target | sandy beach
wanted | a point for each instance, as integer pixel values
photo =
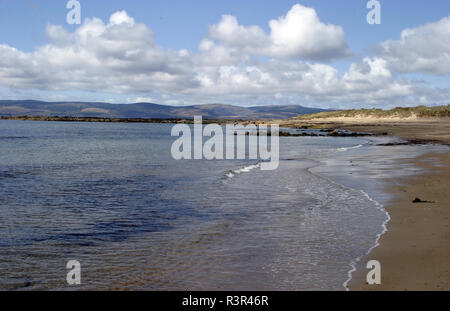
(415, 130)
(415, 251)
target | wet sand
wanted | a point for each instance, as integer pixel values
(427, 130)
(436, 131)
(415, 251)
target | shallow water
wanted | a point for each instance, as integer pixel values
(111, 197)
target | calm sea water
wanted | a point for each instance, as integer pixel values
(111, 197)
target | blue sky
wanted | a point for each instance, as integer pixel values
(182, 25)
(23, 21)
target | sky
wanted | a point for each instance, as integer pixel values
(312, 53)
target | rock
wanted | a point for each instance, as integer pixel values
(417, 200)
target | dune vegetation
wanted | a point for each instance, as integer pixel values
(399, 112)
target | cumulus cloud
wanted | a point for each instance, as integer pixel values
(298, 34)
(422, 49)
(229, 32)
(369, 81)
(121, 57)
(117, 57)
(301, 34)
(121, 17)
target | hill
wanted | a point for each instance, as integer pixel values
(148, 110)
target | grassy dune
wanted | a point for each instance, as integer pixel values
(400, 112)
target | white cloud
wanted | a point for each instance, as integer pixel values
(229, 32)
(117, 57)
(299, 34)
(422, 49)
(206, 45)
(121, 17)
(58, 35)
(369, 81)
(121, 57)
(141, 99)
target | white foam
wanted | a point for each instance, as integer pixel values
(349, 148)
(354, 262)
(379, 206)
(245, 169)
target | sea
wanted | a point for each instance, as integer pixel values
(111, 196)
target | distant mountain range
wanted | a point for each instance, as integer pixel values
(148, 110)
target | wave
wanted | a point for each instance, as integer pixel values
(379, 206)
(349, 148)
(246, 169)
(354, 262)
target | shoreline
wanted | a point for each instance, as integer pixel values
(109, 120)
(414, 252)
(413, 249)
(412, 131)
(354, 264)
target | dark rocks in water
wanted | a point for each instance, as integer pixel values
(329, 133)
(334, 133)
(255, 134)
(411, 142)
(95, 119)
(322, 133)
(417, 200)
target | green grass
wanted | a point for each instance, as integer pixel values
(399, 112)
